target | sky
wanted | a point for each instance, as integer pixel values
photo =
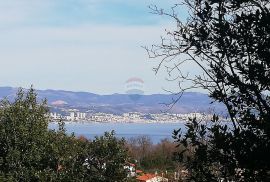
(81, 45)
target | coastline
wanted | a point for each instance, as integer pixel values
(119, 122)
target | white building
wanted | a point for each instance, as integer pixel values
(72, 116)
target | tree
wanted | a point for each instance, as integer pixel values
(23, 136)
(230, 42)
(106, 158)
(140, 148)
(31, 152)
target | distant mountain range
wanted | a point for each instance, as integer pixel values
(120, 103)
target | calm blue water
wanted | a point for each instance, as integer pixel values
(155, 131)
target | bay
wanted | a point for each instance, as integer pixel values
(156, 131)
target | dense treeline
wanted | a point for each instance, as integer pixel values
(30, 152)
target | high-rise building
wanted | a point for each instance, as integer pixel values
(72, 116)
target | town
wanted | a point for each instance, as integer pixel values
(75, 115)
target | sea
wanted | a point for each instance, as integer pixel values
(155, 131)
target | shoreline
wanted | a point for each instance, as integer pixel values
(131, 122)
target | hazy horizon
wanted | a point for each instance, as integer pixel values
(48, 89)
(91, 46)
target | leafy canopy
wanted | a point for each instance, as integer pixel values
(31, 152)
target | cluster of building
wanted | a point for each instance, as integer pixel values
(142, 176)
(130, 117)
(72, 116)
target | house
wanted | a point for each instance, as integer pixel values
(151, 178)
(131, 169)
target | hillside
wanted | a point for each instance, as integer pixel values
(119, 103)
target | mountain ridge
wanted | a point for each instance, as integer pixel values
(119, 103)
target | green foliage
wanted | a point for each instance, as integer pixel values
(23, 137)
(30, 152)
(106, 158)
(230, 42)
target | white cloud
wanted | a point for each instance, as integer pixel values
(90, 57)
(97, 59)
(18, 12)
(82, 35)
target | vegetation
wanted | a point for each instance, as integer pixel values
(229, 41)
(30, 152)
(153, 157)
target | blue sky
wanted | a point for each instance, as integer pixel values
(81, 45)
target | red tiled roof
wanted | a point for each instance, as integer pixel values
(146, 177)
(139, 171)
